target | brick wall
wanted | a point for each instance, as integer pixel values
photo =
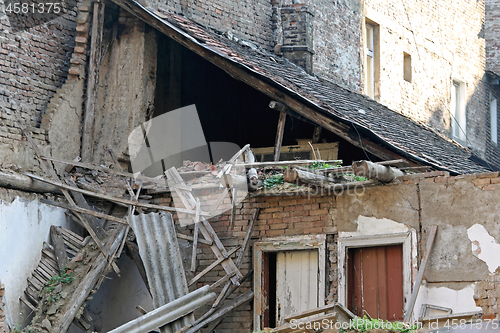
(445, 42)
(245, 19)
(3, 327)
(285, 215)
(492, 30)
(487, 296)
(33, 64)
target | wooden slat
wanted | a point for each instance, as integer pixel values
(108, 170)
(189, 238)
(212, 266)
(420, 274)
(85, 211)
(78, 239)
(309, 313)
(48, 269)
(59, 247)
(115, 199)
(27, 303)
(279, 136)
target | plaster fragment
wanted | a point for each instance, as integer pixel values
(484, 246)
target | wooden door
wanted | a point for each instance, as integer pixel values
(296, 282)
(375, 281)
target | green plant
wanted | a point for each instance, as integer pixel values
(65, 276)
(322, 165)
(273, 181)
(356, 178)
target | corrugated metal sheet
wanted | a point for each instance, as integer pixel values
(159, 250)
(168, 312)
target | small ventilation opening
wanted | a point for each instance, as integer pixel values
(407, 67)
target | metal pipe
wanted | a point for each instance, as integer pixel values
(168, 312)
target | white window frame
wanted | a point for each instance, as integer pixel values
(292, 243)
(493, 119)
(458, 110)
(407, 239)
(369, 59)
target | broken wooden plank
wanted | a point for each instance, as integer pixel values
(85, 211)
(94, 223)
(420, 275)
(27, 303)
(242, 299)
(279, 136)
(59, 247)
(222, 280)
(228, 265)
(115, 199)
(85, 287)
(91, 166)
(195, 245)
(212, 266)
(241, 254)
(49, 169)
(246, 240)
(189, 238)
(92, 81)
(285, 163)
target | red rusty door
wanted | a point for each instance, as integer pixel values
(375, 281)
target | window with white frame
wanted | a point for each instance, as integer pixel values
(369, 60)
(493, 119)
(459, 121)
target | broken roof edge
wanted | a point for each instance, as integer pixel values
(330, 118)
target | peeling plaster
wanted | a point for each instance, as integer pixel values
(484, 246)
(374, 226)
(460, 301)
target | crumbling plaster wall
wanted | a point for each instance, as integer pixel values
(126, 89)
(25, 225)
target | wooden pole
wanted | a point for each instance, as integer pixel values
(420, 274)
(93, 78)
(279, 136)
(376, 171)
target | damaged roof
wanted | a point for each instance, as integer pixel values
(355, 117)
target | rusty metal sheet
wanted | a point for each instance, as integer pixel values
(160, 253)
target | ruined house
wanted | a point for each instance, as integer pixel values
(368, 80)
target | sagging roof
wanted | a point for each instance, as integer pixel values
(356, 118)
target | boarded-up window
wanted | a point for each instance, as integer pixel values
(375, 281)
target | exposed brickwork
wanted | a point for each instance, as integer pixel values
(291, 214)
(491, 32)
(77, 63)
(245, 19)
(33, 64)
(487, 296)
(3, 327)
(297, 23)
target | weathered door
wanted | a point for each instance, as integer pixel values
(296, 282)
(375, 281)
